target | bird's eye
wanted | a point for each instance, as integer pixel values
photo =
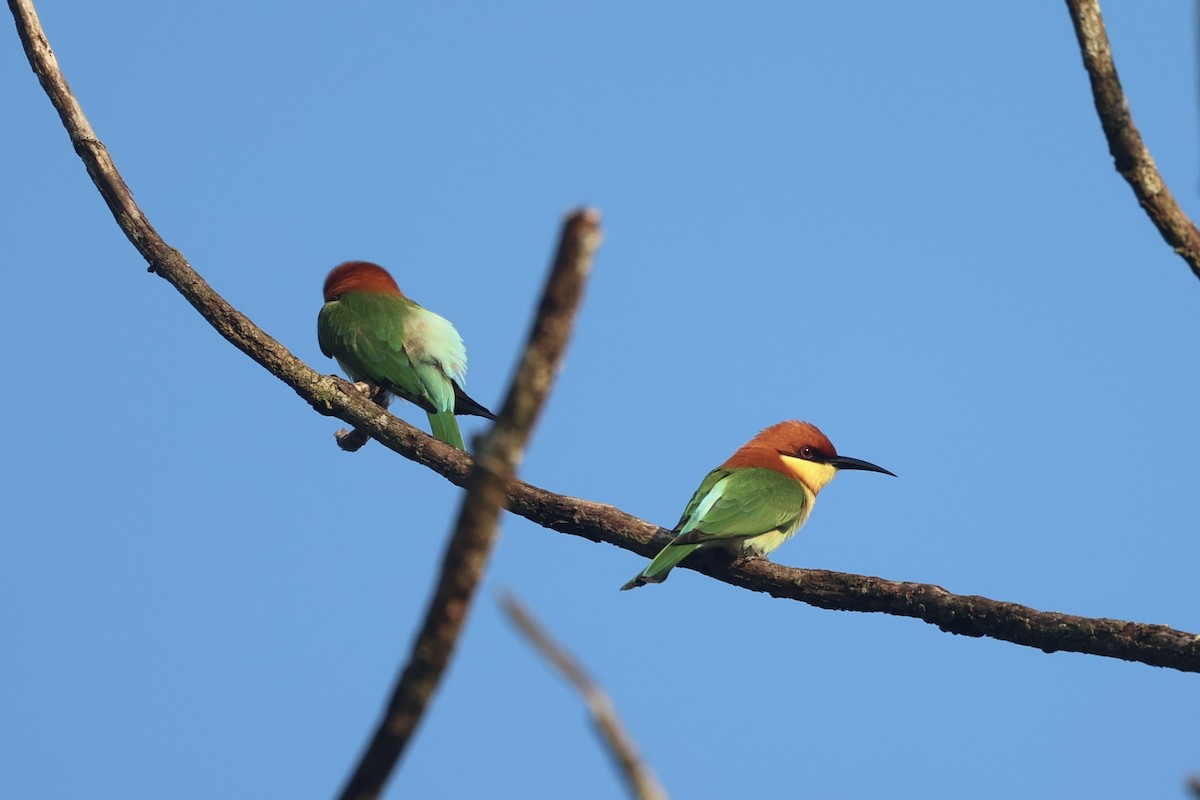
(807, 452)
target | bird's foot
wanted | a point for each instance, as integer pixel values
(748, 557)
(351, 440)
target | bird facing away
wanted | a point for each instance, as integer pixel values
(382, 338)
(756, 500)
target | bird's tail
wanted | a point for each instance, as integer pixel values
(445, 427)
(465, 404)
(656, 571)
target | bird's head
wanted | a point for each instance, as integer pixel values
(799, 450)
(359, 276)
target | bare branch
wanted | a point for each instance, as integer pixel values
(1157, 645)
(1132, 158)
(637, 774)
(475, 532)
(353, 440)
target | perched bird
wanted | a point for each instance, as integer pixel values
(382, 338)
(756, 500)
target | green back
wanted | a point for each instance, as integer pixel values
(365, 332)
(731, 504)
(743, 502)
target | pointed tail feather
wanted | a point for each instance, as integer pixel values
(445, 427)
(656, 571)
(641, 580)
(464, 404)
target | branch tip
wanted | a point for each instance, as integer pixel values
(638, 776)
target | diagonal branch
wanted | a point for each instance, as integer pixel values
(1157, 645)
(637, 774)
(354, 440)
(1133, 160)
(475, 532)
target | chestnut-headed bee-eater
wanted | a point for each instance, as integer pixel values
(756, 500)
(382, 338)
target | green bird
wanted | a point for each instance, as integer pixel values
(382, 338)
(757, 499)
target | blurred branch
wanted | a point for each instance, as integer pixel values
(475, 531)
(1193, 785)
(638, 776)
(1157, 645)
(1133, 160)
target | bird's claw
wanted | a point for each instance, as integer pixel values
(350, 440)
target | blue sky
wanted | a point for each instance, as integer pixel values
(898, 221)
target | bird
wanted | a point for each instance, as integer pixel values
(380, 337)
(757, 499)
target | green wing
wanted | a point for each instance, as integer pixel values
(392, 342)
(729, 505)
(751, 501)
(366, 334)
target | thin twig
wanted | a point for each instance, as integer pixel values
(1156, 645)
(637, 774)
(1133, 160)
(475, 531)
